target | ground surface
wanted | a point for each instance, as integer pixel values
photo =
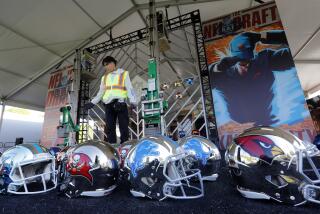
(220, 197)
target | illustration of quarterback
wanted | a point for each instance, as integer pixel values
(245, 79)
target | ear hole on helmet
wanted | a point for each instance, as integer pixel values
(276, 180)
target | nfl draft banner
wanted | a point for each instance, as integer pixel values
(253, 77)
(57, 97)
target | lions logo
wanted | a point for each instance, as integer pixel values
(143, 150)
(260, 147)
(81, 165)
(199, 151)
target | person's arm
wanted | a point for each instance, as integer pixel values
(226, 65)
(100, 93)
(274, 37)
(131, 93)
(281, 59)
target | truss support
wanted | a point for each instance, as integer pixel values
(180, 22)
(83, 97)
(207, 100)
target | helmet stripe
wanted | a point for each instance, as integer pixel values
(38, 148)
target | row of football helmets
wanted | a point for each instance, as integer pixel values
(264, 162)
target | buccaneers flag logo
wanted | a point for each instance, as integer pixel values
(259, 146)
(80, 164)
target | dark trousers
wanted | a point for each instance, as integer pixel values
(113, 112)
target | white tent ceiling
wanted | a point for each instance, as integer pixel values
(35, 35)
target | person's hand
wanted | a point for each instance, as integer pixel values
(227, 62)
(88, 105)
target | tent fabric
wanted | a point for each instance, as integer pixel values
(36, 34)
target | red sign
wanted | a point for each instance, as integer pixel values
(57, 96)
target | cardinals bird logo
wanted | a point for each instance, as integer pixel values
(260, 147)
(80, 164)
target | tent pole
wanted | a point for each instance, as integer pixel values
(2, 114)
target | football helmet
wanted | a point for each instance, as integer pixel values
(204, 155)
(156, 170)
(91, 169)
(27, 169)
(269, 163)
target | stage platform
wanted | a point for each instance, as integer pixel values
(220, 197)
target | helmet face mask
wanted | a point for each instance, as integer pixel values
(27, 169)
(203, 155)
(157, 170)
(179, 177)
(269, 163)
(308, 164)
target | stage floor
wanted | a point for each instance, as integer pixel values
(220, 197)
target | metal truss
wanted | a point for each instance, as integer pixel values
(141, 34)
(205, 79)
(181, 22)
(118, 42)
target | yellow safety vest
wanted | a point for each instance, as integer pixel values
(115, 85)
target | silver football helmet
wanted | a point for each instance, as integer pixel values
(204, 155)
(91, 169)
(156, 170)
(269, 163)
(27, 169)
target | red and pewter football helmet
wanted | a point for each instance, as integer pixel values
(92, 169)
(269, 163)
